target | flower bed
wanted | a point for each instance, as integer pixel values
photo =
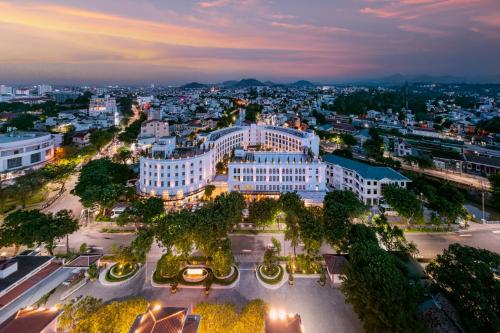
(271, 279)
(210, 276)
(116, 274)
(304, 265)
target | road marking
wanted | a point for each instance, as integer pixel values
(496, 231)
(465, 235)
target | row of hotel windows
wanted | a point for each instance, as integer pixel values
(284, 171)
(166, 183)
(183, 166)
(168, 175)
(275, 188)
(271, 178)
(17, 162)
(24, 150)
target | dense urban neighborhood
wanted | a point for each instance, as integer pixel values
(246, 206)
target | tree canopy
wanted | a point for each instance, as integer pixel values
(224, 318)
(339, 208)
(91, 315)
(33, 227)
(403, 201)
(469, 278)
(101, 182)
(379, 291)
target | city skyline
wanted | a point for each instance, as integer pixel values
(68, 42)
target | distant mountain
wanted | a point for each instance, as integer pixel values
(302, 84)
(247, 83)
(194, 85)
(229, 83)
(400, 79)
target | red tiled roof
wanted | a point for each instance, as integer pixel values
(30, 282)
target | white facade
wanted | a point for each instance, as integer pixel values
(178, 172)
(104, 107)
(364, 180)
(44, 89)
(152, 131)
(272, 172)
(19, 150)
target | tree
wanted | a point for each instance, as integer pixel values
(27, 186)
(168, 265)
(376, 288)
(101, 182)
(122, 155)
(93, 272)
(393, 237)
(76, 311)
(220, 168)
(222, 260)
(495, 188)
(61, 224)
(112, 317)
(312, 230)
(360, 233)
(141, 245)
(403, 201)
(33, 227)
(468, 277)
(209, 190)
(100, 138)
(293, 207)
(23, 121)
(263, 212)
(339, 208)
(374, 148)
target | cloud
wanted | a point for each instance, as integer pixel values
(283, 17)
(492, 20)
(423, 30)
(309, 27)
(213, 4)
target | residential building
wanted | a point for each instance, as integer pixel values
(20, 150)
(366, 181)
(81, 139)
(104, 107)
(44, 89)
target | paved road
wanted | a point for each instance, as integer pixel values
(92, 237)
(67, 200)
(483, 236)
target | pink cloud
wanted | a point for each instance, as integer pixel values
(283, 17)
(213, 4)
(423, 30)
(309, 27)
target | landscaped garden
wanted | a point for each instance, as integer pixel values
(125, 267)
(174, 271)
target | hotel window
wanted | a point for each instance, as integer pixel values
(14, 162)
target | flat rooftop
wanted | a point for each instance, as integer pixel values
(20, 136)
(291, 131)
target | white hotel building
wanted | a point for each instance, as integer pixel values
(267, 160)
(20, 150)
(365, 180)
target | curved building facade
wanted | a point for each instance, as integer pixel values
(20, 150)
(173, 173)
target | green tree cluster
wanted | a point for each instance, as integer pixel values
(339, 208)
(225, 318)
(91, 315)
(469, 278)
(132, 131)
(33, 227)
(101, 182)
(404, 201)
(379, 291)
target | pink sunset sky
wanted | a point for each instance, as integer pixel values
(174, 41)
